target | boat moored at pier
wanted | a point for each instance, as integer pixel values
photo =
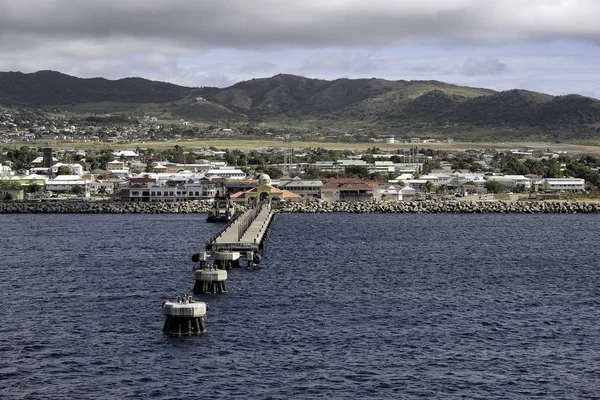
(223, 209)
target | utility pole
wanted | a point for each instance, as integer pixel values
(287, 153)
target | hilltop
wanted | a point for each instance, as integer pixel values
(343, 105)
(45, 88)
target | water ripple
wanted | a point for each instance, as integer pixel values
(346, 306)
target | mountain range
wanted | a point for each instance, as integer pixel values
(341, 105)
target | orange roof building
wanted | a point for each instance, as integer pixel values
(265, 191)
(350, 190)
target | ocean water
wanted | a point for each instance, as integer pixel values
(344, 306)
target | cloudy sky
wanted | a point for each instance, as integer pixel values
(550, 46)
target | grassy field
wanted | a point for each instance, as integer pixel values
(258, 144)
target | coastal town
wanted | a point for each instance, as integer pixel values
(295, 175)
(56, 127)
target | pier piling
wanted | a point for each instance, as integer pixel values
(210, 281)
(184, 317)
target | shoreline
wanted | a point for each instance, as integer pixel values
(390, 207)
(440, 207)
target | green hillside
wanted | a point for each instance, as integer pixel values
(341, 105)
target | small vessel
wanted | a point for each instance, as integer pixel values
(222, 210)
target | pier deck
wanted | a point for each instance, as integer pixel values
(246, 233)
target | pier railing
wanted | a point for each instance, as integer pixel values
(242, 220)
(249, 218)
(229, 223)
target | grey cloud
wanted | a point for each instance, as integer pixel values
(341, 62)
(218, 42)
(255, 67)
(198, 79)
(425, 68)
(260, 24)
(483, 67)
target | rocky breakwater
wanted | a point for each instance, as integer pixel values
(96, 207)
(456, 207)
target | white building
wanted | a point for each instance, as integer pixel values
(196, 167)
(225, 173)
(469, 177)
(407, 193)
(126, 154)
(408, 168)
(308, 189)
(383, 167)
(437, 179)
(104, 187)
(115, 165)
(65, 183)
(511, 181)
(326, 166)
(5, 170)
(40, 160)
(76, 169)
(562, 184)
(168, 193)
(391, 193)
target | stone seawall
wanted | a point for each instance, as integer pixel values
(192, 207)
(457, 207)
(66, 207)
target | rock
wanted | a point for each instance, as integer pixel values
(433, 207)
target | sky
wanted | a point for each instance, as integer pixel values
(550, 46)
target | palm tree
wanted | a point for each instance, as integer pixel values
(441, 189)
(78, 189)
(34, 188)
(427, 187)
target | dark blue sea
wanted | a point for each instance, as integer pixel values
(344, 307)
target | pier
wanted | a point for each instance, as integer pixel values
(246, 233)
(243, 238)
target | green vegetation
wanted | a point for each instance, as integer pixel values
(64, 170)
(34, 188)
(22, 157)
(273, 172)
(579, 170)
(510, 165)
(9, 185)
(312, 108)
(54, 88)
(493, 186)
(78, 189)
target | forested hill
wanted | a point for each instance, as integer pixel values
(53, 88)
(367, 103)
